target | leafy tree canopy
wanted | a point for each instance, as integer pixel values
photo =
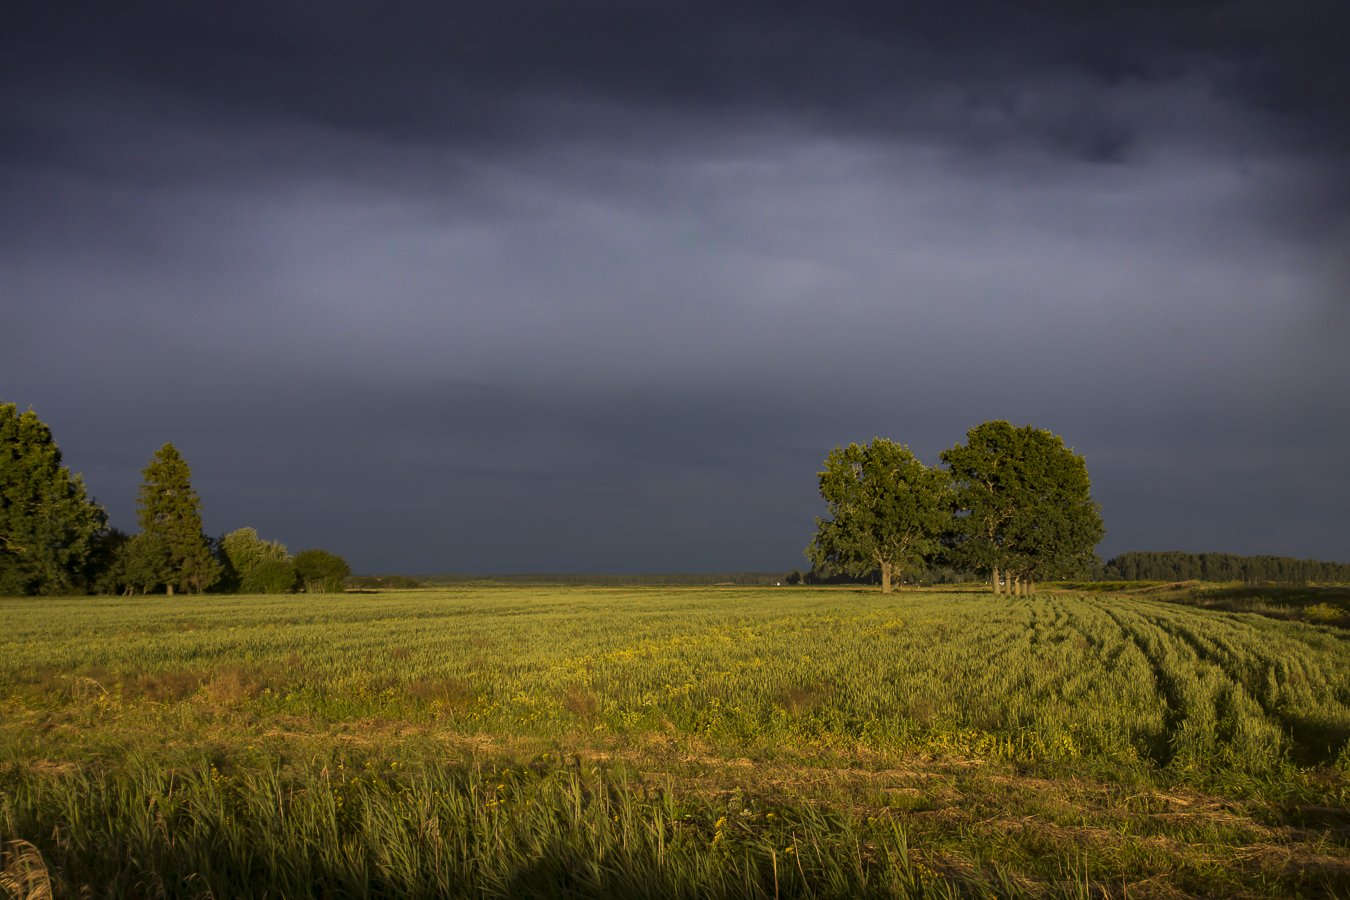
(887, 511)
(984, 478)
(1057, 525)
(271, 576)
(257, 566)
(134, 566)
(49, 527)
(1022, 504)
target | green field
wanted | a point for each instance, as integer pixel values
(730, 742)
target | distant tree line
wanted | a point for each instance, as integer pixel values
(693, 579)
(55, 539)
(1178, 566)
(382, 582)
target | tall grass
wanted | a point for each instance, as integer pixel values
(193, 829)
(214, 745)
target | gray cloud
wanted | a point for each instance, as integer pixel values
(596, 287)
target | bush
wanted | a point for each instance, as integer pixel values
(271, 576)
(321, 572)
(245, 553)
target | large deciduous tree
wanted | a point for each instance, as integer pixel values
(1022, 505)
(886, 511)
(49, 527)
(169, 512)
(1058, 525)
(984, 477)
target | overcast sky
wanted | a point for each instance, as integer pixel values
(596, 286)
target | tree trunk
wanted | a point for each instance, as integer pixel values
(995, 579)
(1031, 587)
(170, 587)
(885, 578)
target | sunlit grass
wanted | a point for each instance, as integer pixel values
(733, 696)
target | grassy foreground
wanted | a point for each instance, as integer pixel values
(710, 742)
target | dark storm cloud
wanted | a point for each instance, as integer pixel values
(596, 285)
(460, 73)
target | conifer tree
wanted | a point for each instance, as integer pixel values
(48, 525)
(169, 514)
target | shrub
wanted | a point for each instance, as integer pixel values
(245, 554)
(271, 576)
(321, 572)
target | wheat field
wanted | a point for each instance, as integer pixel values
(1143, 746)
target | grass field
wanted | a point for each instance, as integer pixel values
(724, 742)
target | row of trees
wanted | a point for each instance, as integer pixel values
(1010, 503)
(255, 566)
(55, 539)
(681, 578)
(1178, 566)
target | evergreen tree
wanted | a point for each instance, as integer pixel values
(172, 544)
(887, 511)
(49, 527)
